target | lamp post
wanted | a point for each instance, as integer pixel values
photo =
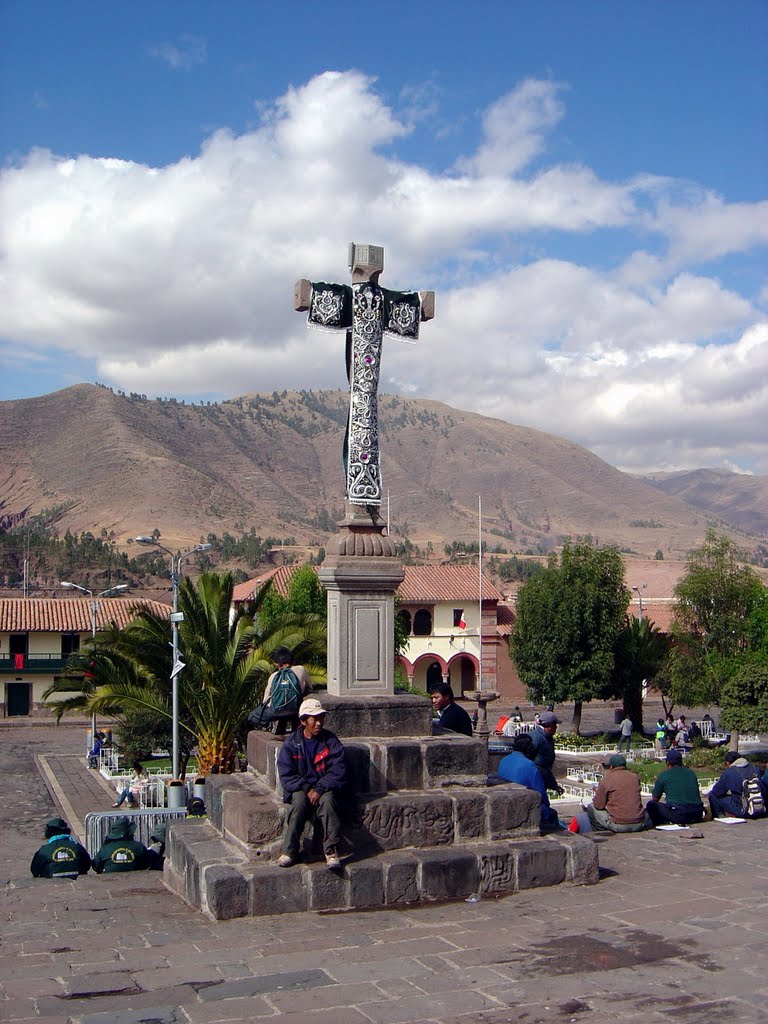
(640, 600)
(178, 664)
(66, 585)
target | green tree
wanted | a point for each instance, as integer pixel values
(640, 652)
(719, 627)
(567, 623)
(228, 660)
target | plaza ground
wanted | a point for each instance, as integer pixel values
(677, 926)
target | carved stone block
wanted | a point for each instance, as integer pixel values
(412, 819)
(469, 814)
(366, 884)
(328, 890)
(498, 869)
(512, 810)
(277, 890)
(454, 759)
(225, 892)
(582, 864)
(400, 879)
(446, 874)
(404, 764)
(539, 863)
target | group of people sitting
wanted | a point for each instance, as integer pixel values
(62, 856)
(676, 799)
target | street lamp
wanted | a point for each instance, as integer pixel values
(178, 664)
(640, 600)
(66, 585)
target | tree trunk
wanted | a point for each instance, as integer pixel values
(576, 720)
(734, 741)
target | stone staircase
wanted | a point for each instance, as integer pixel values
(422, 824)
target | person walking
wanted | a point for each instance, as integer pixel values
(625, 734)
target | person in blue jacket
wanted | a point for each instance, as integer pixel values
(312, 770)
(519, 767)
(725, 796)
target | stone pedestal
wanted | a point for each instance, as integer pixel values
(361, 574)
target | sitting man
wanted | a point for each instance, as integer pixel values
(312, 770)
(680, 785)
(616, 805)
(728, 799)
(451, 716)
(60, 856)
(519, 767)
(120, 851)
(288, 685)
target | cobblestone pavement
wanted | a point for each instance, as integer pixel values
(678, 926)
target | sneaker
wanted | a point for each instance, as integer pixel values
(284, 860)
(332, 860)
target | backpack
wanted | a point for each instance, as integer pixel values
(752, 797)
(285, 694)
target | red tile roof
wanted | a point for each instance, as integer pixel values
(444, 583)
(422, 583)
(661, 614)
(70, 614)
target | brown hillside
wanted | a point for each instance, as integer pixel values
(128, 465)
(736, 497)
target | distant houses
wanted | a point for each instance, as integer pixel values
(37, 635)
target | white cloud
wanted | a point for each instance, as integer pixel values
(188, 52)
(179, 279)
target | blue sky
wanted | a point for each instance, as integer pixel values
(583, 184)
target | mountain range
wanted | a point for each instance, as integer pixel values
(122, 465)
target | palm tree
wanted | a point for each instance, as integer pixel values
(227, 658)
(641, 649)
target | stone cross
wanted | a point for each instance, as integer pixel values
(366, 312)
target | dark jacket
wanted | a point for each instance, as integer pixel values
(728, 788)
(456, 719)
(329, 764)
(60, 857)
(544, 755)
(120, 852)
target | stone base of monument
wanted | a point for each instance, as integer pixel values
(421, 825)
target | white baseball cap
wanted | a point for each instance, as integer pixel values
(311, 706)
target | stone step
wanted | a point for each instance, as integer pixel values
(248, 813)
(211, 875)
(377, 765)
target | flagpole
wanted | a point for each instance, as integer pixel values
(480, 587)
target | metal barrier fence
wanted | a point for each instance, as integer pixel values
(97, 824)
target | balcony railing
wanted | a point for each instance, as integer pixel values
(32, 663)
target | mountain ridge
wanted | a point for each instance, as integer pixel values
(126, 465)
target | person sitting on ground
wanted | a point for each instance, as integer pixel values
(694, 732)
(156, 847)
(60, 856)
(680, 786)
(312, 770)
(501, 721)
(672, 730)
(617, 805)
(288, 685)
(511, 727)
(543, 737)
(451, 715)
(196, 808)
(727, 798)
(120, 851)
(133, 788)
(519, 767)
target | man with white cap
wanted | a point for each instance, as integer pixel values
(312, 770)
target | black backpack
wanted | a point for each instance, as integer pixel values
(285, 694)
(752, 796)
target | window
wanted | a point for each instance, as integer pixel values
(70, 643)
(422, 622)
(405, 618)
(459, 622)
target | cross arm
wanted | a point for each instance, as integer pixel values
(302, 295)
